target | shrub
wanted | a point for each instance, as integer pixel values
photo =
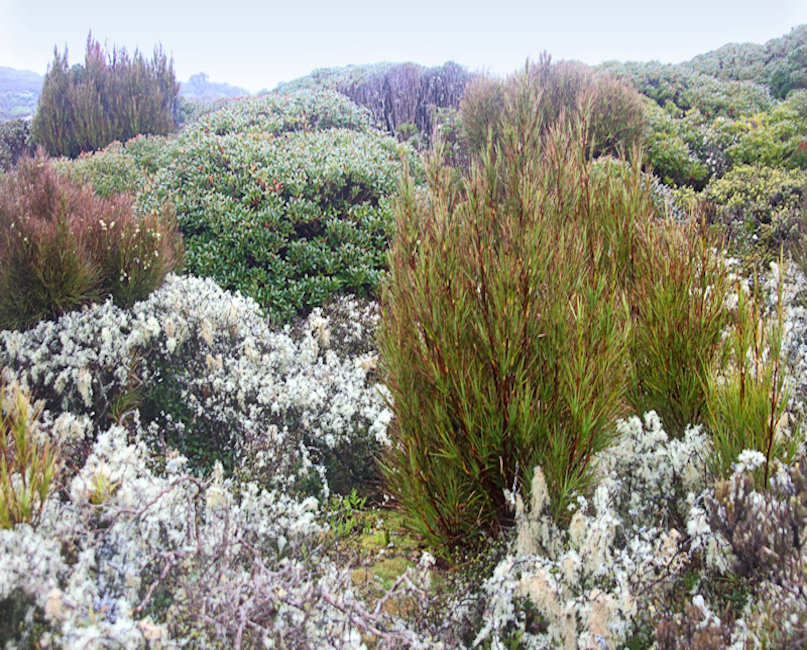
(480, 112)
(400, 96)
(746, 402)
(612, 111)
(276, 114)
(669, 155)
(29, 463)
(760, 208)
(208, 376)
(498, 356)
(62, 247)
(288, 219)
(14, 143)
(119, 167)
(111, 97)
(679, 315)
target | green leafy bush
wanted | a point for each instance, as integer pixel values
(761, 208)
(118, 168)
(111, 97)
(286, 215)
(777, 138)
(668, 153)
(277, 114)
(14, 143)
(62, 247)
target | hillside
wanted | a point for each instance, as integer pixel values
(400, 357)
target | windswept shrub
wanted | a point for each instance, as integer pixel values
(112, 96)
(29, 463)
(62, 247)
(276, 114)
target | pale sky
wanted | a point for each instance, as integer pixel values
(256, 44)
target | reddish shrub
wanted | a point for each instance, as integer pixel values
(61, 246)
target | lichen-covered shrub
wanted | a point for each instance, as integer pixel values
(222, 385)
(595, 583)
(169, 558)
(62, 247)
(144, 537)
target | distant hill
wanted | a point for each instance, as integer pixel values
(19, 93)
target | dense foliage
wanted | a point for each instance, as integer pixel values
(62, 247)
(14, 143)
(112, 96)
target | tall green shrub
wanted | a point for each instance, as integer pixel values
(504, 333)
(522, 314)
(679, 314)
(747, 401)
(111, 97)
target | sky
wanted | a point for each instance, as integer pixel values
(256, 44)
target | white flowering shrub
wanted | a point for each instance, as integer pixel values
(168, 558)
(594, 583)
(217, 382)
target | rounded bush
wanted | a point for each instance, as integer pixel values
(286, 215)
